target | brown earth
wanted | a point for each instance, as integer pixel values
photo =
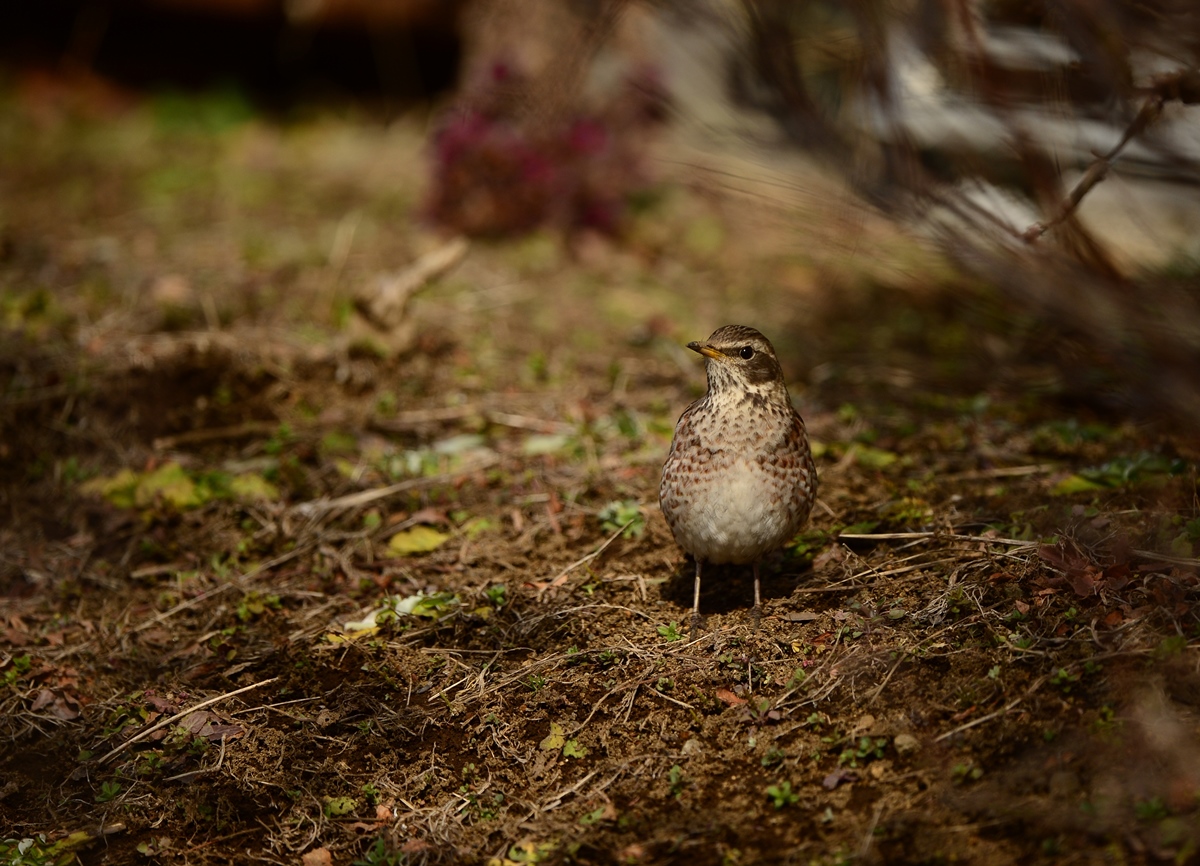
(983, 651)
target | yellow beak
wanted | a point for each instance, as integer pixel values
(704, 349)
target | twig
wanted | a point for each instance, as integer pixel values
(385, 302)
(212, 434)
(1098, 170)
(211, 842)
(865, 847)
(402, 422)
(904, 569)
(561, 578)
(879, 688)
(255, 709)
(320, 507)
(183, 605)
(1166, 557)
(1000, 712)
(441, 693)
(1000, 472)
(980, 720)
(556, 801)
(524, 422)
(1010, 542)
(192, 602)
(534, 620)
(595, 709)
(141, 735)
(899, 536)
(629, 703)
(659, 694)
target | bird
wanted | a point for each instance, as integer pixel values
(739, 481)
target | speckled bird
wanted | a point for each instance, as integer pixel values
(739, 481)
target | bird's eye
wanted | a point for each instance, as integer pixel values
(747, 352)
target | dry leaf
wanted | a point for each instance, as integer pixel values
(841, 774)
(555, 739)
(317, 857)
(729, 698)
(419, 539)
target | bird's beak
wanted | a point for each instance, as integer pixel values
(704, 349)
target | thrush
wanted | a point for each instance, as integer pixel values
(739, 480)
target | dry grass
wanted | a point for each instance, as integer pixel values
(962, 660)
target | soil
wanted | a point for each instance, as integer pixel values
(985, 648)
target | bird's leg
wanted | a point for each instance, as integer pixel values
(756, 611)
(697, 622)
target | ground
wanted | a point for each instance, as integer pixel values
(274, 590)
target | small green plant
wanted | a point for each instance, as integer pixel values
(108, 791)
(572, 749)
(815, 721)
(497, 595)
(484, 808)
(1171, 646)
(676, 781)
(774, 755)
(1020, 641)
(623, 513)
(808, 544)
(379, 854)
(587, 819)
(865, 750)
(671, 631)
(781, 795)
(337, 807)
(535, 683)
(1140, 469)
(370, 794)
(254, 605)
(19, 666)
(1106, 721)
(148, 764)
(24, 852)
(845, 633)
(40, 851)
(1153, 809)
(760, 709)
(1064, 679)
(966, 772)
(489, 810)
(275, 445)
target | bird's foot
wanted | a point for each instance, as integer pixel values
(697, 623)
(756, 616)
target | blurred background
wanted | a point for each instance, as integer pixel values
(1046, 151)
(261, 256)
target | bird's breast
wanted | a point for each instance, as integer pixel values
(738, 481)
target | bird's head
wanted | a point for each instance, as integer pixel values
(738, 357)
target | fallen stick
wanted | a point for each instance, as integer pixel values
(138, 737)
